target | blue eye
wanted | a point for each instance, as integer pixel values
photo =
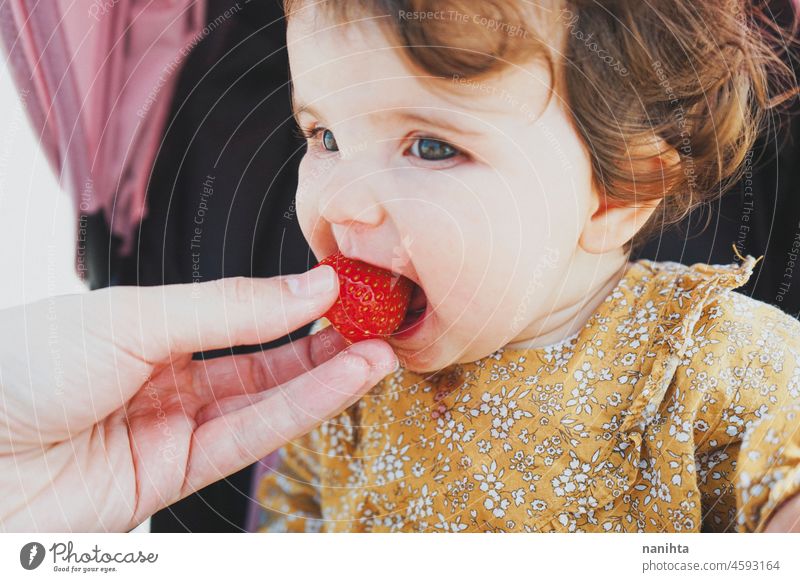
(325, 137)
(433, 150)
(329, 142)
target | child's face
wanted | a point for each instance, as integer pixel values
(477, 192)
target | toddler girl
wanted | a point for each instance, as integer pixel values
(506, 156)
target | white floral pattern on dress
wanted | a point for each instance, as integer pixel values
(673, 409)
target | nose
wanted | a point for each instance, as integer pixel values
(356, 209)
(347, 206)
(354, 212)
(352, 199)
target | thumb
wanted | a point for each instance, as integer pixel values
(180, 319)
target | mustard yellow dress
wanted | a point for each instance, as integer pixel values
(675, 408)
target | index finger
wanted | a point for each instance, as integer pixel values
(180, 319)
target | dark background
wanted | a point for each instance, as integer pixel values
(230, 119)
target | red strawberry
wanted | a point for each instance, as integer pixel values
(372, 301)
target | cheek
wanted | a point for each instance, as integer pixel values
(494, 245)
(454, 231)
(564, 173)
(445, 222)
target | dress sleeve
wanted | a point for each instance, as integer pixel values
(769, 467)
(748, 461)
(289, 493)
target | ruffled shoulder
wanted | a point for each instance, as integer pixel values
(681, 294)
(685, 291)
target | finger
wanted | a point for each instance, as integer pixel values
(219, 378)
(236, 439)
(224, 406)
(218, 314)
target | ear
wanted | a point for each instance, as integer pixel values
(611, 224)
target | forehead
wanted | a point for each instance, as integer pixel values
(330, 60)
(358, 64)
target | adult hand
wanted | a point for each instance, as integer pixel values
(105, 418)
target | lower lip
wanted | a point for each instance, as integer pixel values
(414, 327)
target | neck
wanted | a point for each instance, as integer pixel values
(568, 319)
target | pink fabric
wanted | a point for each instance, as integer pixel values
(97, 78)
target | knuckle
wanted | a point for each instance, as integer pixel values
(239, 290)
(315, 349)
(260, 372)
(292, 411)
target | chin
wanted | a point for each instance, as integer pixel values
(423, 360)
(427, 349)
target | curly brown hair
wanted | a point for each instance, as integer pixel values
(698, 76)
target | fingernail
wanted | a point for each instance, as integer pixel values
(381, 361)
(310, 284)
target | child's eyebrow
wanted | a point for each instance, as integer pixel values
(429, 119)
(299, 106)
(385, 116)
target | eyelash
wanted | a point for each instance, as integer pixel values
(303, 133)
(314, 132)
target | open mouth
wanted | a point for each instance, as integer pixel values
(415, 314)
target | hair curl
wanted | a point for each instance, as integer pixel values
(696, 76)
